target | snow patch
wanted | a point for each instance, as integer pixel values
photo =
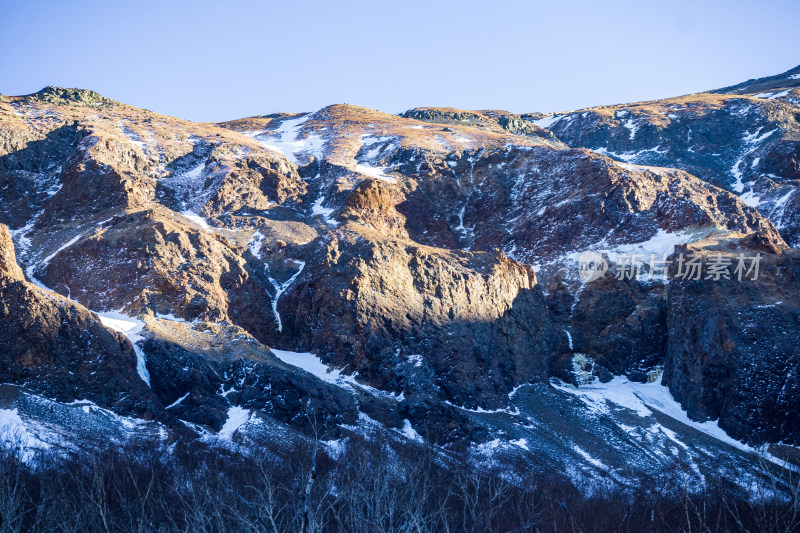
(131, 328)
(522, 443)
(280, 288)
(177, 402)
(287, 140)
(644, 398)
(751, 199)
(325, 212)
(197, 219)
(772, 95)
(256, 242)
(375, 146)
(546, 122)
(632, 126)
(375, 172)
(20, 236)
(589, 458)
(171, 318)
(128, 326)
(416, 359)
(335, 448)
(15, 434)
(750, 144)
(481, 410)
(313, 365)
(780, 207)
(629, 157)
(196, 172)
(663, 242)
(44, 262)
(409, 431)
(237, 417)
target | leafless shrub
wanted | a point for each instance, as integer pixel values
(373, 485)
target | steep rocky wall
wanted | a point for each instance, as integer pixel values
(467, 327)
(60, 349)
(540, 203)
(748, 144)
(161, 262)
(732, 353)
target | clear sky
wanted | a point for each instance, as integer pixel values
(211, 61)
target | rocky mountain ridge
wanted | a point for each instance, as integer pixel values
(352, 268)
(742, 138)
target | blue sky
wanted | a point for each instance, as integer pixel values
(211, 61)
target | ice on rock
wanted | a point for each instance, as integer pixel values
(131, 328)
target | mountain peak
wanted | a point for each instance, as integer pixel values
(62, 95)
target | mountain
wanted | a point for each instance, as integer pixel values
(743, 138)
(348, 274)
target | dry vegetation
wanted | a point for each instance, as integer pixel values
(367, 488)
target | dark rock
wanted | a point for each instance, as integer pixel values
(621, 325)
(733, 354)
(212, 385)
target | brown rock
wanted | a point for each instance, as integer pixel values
(8, 259)
(476, 321)
(57, 348)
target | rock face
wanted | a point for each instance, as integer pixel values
(60, 349)
(621, 326)
(28, 160)
(732, 353)
(9, 268)
(474, 324)
(490, 119)
(373, 204)
(536, 201)
(223, 178)
(200, 389)
(169, 266)
(406, 252)
(744, 138)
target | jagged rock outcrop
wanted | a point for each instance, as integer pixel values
(60, 349)
(9, 269)
(373, 204)
(62, 95)
(476, 323)
(168, 265)
(493, 119)
(732, 353)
